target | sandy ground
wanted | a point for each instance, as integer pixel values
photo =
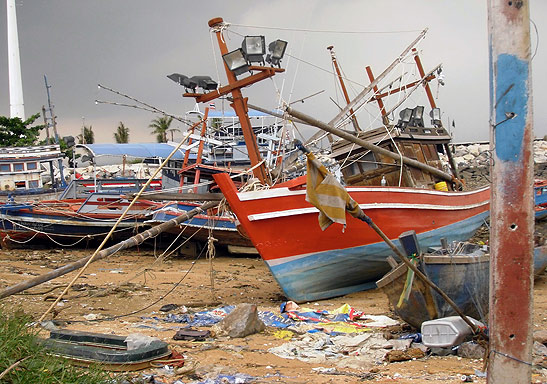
(135, 280)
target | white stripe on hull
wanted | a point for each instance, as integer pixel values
(303, 211)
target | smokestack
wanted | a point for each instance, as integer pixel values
(17, 108)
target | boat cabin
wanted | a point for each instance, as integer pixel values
(409, 137)
(20, 167)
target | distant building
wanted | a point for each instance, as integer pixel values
(21, 167)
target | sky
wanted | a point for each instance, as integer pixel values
(132, 45)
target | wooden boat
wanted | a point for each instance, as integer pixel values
(540, 199)
(221, 226)
(73, 219)
(540, 260)
(462, 275)
(310, 264)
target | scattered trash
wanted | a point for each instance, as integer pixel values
(466, 378)
(285, 335)
(168, 307)
(137, 340)
(446, 331)
(191, 334)
(90, 316)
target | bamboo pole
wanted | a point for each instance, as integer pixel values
(131, 242)
(119, 220)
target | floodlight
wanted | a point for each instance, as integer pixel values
(418, 112)
(254, 48)
(235, 61)
(177, 77)
(435, 114)
(277, 51)
(405, 115)
(205, 82)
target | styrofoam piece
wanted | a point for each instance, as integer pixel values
(446, 332)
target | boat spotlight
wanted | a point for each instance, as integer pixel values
(417, 117)
(435, 114)
(254, 49)
(404, 117)
(177, 77)
(185, 81)
(277, 51)
(235, 61)
(204, 82)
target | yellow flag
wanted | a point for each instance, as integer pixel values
(328, 195)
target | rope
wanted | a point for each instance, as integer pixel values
(324, 30)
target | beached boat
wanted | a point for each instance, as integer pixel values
(310, 264)
(462, 274)
(222, 227)
(71, 220)
(540, 199)
(540, 260)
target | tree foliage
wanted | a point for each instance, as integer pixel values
(161, 126)
(14, 132)
(89, 135)
(122, 134)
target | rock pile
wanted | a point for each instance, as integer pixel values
(473, 161)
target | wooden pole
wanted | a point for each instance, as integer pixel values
(512, 201)
(371, 147)
(240, 107)
(354, 103)
(344, 90)
(131, 242)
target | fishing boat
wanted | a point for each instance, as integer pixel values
(221, 226)
(461, 273)
(540, 199)
(69, 221)
(394, 173)
(310, 264)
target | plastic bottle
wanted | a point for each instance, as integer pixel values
(384, 181)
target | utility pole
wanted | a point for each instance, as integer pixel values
(52, 116)
(512, 218)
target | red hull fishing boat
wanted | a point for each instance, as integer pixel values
(394, 173)
(310, 264)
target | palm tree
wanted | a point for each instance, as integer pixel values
(161, 126)
(172, 131)
(87, 136)
(122, 134)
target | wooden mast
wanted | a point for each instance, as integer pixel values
(343, 86)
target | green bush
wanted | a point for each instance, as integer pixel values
(18, 341)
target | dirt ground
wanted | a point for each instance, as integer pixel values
(135, 280)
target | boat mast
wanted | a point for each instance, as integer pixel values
(17, 106)
(240, 107)
(343, 86)
(239, 103)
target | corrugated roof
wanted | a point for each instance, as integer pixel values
(141, 150)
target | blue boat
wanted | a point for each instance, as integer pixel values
(540, 199)
(463, 275)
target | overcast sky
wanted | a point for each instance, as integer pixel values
(131, 45)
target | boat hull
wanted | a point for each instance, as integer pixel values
(310, 264)
(463, 278)
(222, 228)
